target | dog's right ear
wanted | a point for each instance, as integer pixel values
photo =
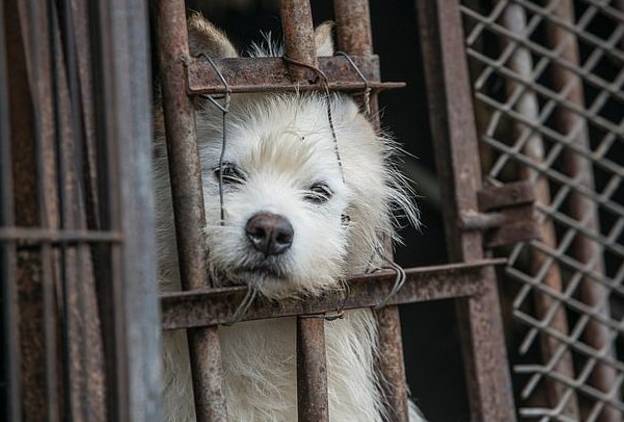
(205, 38)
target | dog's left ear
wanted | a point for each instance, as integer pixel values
(205, 38)
(324, 40)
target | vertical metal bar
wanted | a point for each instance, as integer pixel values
(10, 402)
(33, 403)
(311, 390)
(391, 363)
(41, 85)
(124, 124)
(514, 18)
(354, 36)
(353, 27)
(298, 32)
(101, 162)
(186, 186)
(312, 404)
(582, 209)
(85, 358)
(457, 157)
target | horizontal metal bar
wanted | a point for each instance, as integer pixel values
(508, 195)
(197, 308)
(37, 235)
(271, 74)
(482, 221)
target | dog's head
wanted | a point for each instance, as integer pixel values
(296, 219)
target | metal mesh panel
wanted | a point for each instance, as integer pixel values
(547, 80)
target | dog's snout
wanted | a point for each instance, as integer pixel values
(269, 233)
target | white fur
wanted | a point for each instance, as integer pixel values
(284, 145)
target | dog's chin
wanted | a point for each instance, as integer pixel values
(270, 280)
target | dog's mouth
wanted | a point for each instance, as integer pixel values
(259, 273)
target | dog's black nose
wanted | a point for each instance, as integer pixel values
(271, 234)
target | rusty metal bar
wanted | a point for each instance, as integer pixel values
(33, 404)
(217, 306)
(47, 197)
(84, 340)
(124, 126)
(299, 38)
(353, 27)
(10, 401)
(186, 186)
(521, 62)
(311, 390)
(354, 34)
(582, 209)
(273, 74)
(457, 157)
(312, 401)
(36, 235)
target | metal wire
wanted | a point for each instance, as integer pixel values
(367, 88)
(225, 108)
(322, 78)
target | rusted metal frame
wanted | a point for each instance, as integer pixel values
(547, 111)
(55, 236)
(615, 13)
(606, 164)
(557, 395)
(188, 205)
(99, 176)
(590, 78)
(566, 298)
(454, 133)
(264, 74)
(82, 21)
(217, 306)
(31, 318)
(580, 384)
(354, 37)
(311, 390)
(607, 204)
(538, 70)
(483, 23)
(612, 283)
(563, 24)
(582, 209)
(124, 140)
(581, 378)
(312, 401)
(569, 340)
(41, 86)
(506, 212)
(606, 241)
(353, 26)
(603, 92)
(536, 129)
(10, 401)
(551, 95)
(83, 340)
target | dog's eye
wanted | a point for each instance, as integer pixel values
(318, 193)
(230, 172)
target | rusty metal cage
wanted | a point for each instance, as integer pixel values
(80, 323)
(547, 82)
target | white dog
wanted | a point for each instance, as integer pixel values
(296, 222)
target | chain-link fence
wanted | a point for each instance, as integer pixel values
(547, 80)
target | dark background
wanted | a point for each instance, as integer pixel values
(430, 337)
